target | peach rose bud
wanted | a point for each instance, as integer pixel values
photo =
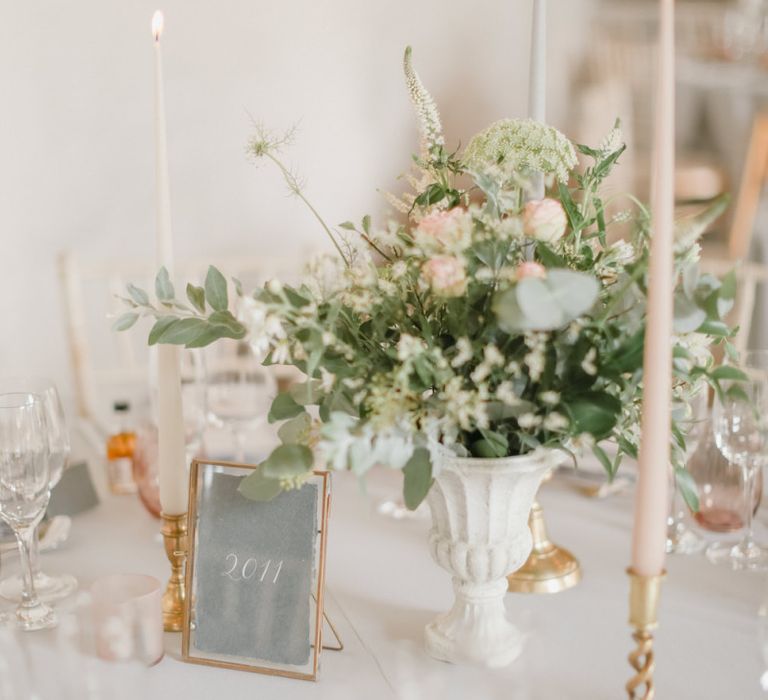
(544, 220)
(446, 276)
(530, 269)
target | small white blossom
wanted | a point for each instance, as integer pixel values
(327, 380)
(505, 393)
(536, 362)
(493, 356)
(556, 422)
(551, 398)
(612, 142)
(464, 346)
(588, 363)
(281, 355)
(275, 287)
(409, 347)
(529, 421)
(398, 270)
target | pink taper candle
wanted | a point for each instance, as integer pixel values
(172, 457)
(651, 499)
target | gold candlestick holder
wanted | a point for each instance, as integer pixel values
(549, 568)
(644, 592)
(175, 539)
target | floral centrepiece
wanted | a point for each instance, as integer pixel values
(482, 322)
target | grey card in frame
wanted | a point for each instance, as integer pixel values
(254, 572)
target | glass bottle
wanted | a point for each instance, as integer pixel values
(120, 447)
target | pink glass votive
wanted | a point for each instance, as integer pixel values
(128, 618)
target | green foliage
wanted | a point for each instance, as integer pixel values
(484, 324)
(417, 478)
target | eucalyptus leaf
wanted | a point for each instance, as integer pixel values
(159, 328)
(257, 487)
(295, 430)
(594, 412)
(728, 373)
(287, 461)
(125, 321)
(196, 296)
(216, 289)
(688, 315)
(417, 478)
(182, 331)
(688, 488)
(163, 286)
(561, 297)
(138, 295)
(284, 407)
(307, 393)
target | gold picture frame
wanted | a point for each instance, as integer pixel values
(316, 643)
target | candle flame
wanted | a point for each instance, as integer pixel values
(157, 25)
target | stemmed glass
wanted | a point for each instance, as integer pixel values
(681, 539)
(239, 391)
(24, 492)
(48, 587)
(740, 424)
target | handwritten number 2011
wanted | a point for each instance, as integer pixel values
(249, 569)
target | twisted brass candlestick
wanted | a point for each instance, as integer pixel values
(549, 568)
(644, 594)
(175, 539)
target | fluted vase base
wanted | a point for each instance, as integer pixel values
(476, 629)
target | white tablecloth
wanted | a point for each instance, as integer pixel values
(383, 587)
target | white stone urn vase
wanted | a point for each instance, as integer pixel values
(479, 535)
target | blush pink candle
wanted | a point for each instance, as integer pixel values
(651, 495)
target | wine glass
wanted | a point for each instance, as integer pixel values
(681, 539)
(239, 391)
(720, 487)
(25, 489)
(740, 423)
(48, 587)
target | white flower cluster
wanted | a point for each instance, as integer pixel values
(265, 330)
(521, 144)
(345, 443)
(426, 110)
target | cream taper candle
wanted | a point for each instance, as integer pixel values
(651, 499)
(537, 84)
(172, 459)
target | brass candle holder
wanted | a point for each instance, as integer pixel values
(644, 592)
(175, 539)
(549, 568)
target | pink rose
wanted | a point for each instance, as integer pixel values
(530, 269)
(544, 220)
(444, 228)
(445, 275)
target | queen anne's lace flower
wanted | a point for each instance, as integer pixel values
(521, 144)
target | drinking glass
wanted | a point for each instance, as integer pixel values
(239, 391)
(24, 492)
(720, 487)
(681, 539)
(740, 423)
(48, 587)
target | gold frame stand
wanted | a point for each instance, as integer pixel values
(549, 568)
(644, 592)
(174, 532)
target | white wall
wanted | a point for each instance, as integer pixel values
(76, 168)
